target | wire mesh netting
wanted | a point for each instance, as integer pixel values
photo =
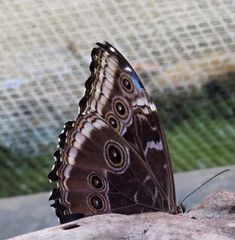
(183, 51)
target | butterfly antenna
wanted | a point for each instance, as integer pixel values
(216, 175)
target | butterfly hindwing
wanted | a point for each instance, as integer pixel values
(114, 157)
(100, 172)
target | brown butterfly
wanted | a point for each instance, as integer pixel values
(114, 156)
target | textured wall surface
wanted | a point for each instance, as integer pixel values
(45, 48)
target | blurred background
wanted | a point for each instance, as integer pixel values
(183, 51)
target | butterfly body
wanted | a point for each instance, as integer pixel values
(114, 156)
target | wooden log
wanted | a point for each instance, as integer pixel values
(213, 218)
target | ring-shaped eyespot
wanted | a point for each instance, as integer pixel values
(96, 202)
(113, 121)
(96, 182)
(115, 155)
(120, 108)
(127, 84)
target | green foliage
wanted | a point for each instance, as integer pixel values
(215, 100)
(22, 174)
(200, 124)
(194, 144)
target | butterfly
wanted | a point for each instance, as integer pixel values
(114, 157)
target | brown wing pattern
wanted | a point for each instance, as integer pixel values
(114, 157)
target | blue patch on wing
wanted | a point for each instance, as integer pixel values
(136, 80)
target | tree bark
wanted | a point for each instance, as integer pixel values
(213, 218)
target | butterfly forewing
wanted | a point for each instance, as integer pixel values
(114, 157)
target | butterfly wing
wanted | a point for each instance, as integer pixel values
(117, 109)
(116, 93)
